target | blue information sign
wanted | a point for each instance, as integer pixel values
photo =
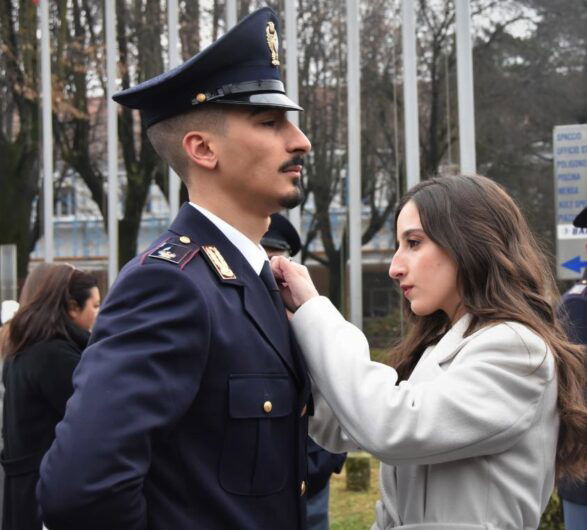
(570, 195)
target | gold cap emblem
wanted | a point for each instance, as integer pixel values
(273, 43)
(200, 98)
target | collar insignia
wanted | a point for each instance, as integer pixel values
(218, 262)
(272, 42)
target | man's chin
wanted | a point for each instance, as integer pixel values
(293, 199)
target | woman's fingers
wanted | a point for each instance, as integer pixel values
(296, 285)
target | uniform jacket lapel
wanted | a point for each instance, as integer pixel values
(257, 300)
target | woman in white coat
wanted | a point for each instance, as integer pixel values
(482, 405)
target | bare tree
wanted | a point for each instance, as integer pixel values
(140, 25)
(323, 93)
(19, 127)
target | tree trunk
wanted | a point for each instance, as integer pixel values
(128, 228)
(19, 156)
(19, 186)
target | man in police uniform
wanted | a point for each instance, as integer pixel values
(190, 403)
(574, 313)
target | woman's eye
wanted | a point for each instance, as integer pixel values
(412, 243)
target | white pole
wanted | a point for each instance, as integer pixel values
(173, 39)
(465, 88)
(230, 14)
(112, 119)
(291, 62)
(47, 134)
(354, 161)
(410, 93)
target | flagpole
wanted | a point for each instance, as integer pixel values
(47, 112)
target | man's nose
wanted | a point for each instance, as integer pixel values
(298, 141)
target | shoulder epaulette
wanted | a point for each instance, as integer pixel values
(178, 250)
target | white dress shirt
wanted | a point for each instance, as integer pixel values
(253, 253)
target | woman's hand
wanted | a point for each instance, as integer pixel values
(294, 282)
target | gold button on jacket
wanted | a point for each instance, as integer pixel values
(267, 406)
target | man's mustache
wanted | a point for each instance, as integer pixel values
(297, 160)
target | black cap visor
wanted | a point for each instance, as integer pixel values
(275, 243)
(267, 99)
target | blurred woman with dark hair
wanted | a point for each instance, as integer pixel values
(45, 340)
(483, 403)
(33, 282)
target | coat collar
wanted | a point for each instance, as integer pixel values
(257, 300)
(79, 336)
(452, 340)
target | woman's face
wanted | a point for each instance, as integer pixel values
(85, 316)
(426, 274)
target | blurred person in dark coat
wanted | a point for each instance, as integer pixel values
(45, 339)
(282, 239)
(573, 310)
(9, 307)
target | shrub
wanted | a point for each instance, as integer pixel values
(552, 518)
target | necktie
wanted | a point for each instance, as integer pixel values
(269, 281)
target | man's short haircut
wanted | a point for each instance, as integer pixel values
(167, 136)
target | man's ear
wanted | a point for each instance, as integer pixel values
(199, 150)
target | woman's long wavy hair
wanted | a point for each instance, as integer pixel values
(502, 275)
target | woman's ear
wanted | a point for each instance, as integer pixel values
(199, 149)
(73, 310)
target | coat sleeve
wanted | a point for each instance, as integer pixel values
(325, 429)
(137, 377)
(321, 464)
(481, 406)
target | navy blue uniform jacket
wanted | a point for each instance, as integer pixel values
(168, 426)
(574, 314)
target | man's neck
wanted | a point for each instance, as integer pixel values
(251, 225)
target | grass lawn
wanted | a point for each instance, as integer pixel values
(353, 510)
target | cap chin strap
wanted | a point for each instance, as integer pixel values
(262, 85)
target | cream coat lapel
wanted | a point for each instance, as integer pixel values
(447, 347)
